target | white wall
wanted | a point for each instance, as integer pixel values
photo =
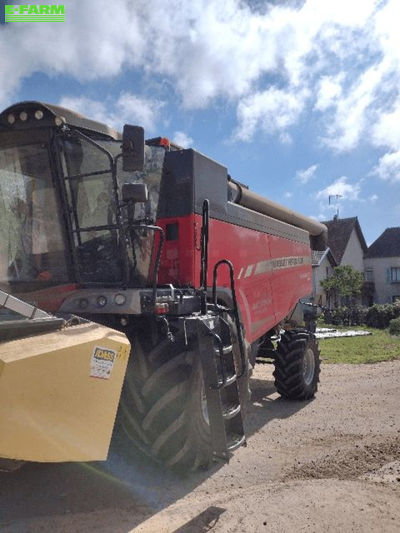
(353, 254)
(319, 274)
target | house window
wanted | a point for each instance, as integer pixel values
(369, 275)
(395, 274)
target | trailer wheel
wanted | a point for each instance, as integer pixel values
(297, 365)
(162, 404)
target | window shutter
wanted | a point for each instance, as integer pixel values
(388, 277)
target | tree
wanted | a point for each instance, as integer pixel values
(345, 282)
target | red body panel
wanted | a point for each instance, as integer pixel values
(271, 273)
(49, 299)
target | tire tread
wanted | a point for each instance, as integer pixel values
(288, 371)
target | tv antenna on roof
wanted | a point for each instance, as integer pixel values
(336, 196)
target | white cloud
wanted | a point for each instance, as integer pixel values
(272, 63)
(304, 176)
(373, 198)
(386, 131)
(285, 138)
(329, 91)
(350, 117)
(129, 108)
(388, 167)
(182, 139)
(272, 110)
(288, 194)
(342, 188)
(89, 108)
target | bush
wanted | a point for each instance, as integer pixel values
(336, 316)
(376, 316)
(346, 316)
(358, 315)
(379, 315)
(394, 326)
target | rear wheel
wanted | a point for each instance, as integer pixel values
(297, 365)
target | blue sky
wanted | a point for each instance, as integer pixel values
(299, 99)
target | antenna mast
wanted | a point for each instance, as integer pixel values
(336, 196)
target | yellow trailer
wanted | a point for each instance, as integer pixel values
(59, 385)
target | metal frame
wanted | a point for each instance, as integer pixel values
(37, 321)
(118, 226)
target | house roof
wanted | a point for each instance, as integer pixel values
(387, 245)
(318, 257)
(339, 232)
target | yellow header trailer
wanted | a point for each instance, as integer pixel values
(59, 393)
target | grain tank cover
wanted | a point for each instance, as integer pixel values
(243, 196)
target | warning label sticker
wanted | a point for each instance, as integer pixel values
(102, 362)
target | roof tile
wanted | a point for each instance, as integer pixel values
(387, 245)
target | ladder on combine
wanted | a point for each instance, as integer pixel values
(215, 346)
(221, 385)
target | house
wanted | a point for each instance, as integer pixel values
(346, 242)
(323, 264)
(382, 266)
(348, 247)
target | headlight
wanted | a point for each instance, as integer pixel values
(101, 301)
(120, 299)
(59, 121)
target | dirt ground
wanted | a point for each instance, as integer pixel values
(331, 464)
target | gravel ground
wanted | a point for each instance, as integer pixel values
(331, 464)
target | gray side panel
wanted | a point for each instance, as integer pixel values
(210, 181)
(241, 216)
(190, 177)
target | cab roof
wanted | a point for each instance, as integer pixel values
(50, 113)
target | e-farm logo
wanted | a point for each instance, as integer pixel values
(35, 13)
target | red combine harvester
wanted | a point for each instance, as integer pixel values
(160, 243)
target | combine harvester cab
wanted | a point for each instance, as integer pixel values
(60, 384)
(159, 243)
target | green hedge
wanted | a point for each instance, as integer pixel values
(346, 316)
(379, 315)
(376, 316)
(394, 326)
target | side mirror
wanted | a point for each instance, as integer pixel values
(135, 192)
(132, 148)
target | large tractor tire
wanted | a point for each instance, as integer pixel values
(10, 465)
(297, 365)
(163, 405)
